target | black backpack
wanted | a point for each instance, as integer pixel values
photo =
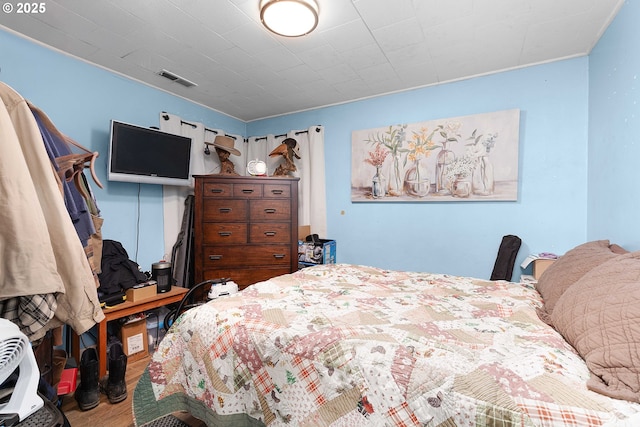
(118, 271)
(503, 267)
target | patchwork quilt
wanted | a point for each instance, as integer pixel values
(347, 346)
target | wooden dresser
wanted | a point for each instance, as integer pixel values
(245, 229)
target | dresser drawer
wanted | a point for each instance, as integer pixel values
(246, 256)
(221, 233)
(217, 189)
(277, 190)
(270, 232)
(222, 210)
(270, 210)
(247, 190)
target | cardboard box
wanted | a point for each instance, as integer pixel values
(303, 232)
(135, 340)
(138, 294)
(323, 251)
(540, 265)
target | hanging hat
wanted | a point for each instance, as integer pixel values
(293, 144)
(225, 143)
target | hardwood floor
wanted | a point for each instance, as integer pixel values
(107, 414)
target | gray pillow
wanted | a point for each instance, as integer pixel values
(599, 316)
(567, 270)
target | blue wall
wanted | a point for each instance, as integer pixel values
(463, 238)
(614, 129)
(456, 238)
(81, 99)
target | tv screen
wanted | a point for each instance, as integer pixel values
(149, 156)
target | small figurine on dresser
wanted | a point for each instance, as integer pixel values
(288, 150)
(224, 148)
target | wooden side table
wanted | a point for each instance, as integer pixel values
(119, 311)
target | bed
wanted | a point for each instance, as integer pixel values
(348, 345)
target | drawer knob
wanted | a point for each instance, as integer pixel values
(270, 233)
(217, 190)
(224, 233)
(270, 211)
(225, 210)
(247, 191)
(215, 257)
(278, 192)
(278, 256)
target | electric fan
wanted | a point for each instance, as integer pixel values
(16, 352)
(257, 168)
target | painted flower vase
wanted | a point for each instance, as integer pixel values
(483, 183)
(416, 180)
(378, 184)
(443, 162)
(461, 187)
(395, 177)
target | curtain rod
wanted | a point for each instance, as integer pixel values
(283, 134)
(182, 122)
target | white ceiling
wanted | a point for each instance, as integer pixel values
(361, 48)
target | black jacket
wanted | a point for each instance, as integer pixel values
(118, 271)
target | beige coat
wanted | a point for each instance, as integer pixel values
(40, 251)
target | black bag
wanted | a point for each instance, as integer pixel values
(118, 271)
(503, 267)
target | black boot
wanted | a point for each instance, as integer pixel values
(88, 392)
(116, 384)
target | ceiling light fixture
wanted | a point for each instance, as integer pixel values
(289, 18)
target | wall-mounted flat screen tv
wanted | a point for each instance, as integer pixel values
(148, 156)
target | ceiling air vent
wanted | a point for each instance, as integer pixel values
(176, 78)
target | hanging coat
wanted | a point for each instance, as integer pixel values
(40, 251)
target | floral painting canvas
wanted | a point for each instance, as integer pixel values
(467, 158)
